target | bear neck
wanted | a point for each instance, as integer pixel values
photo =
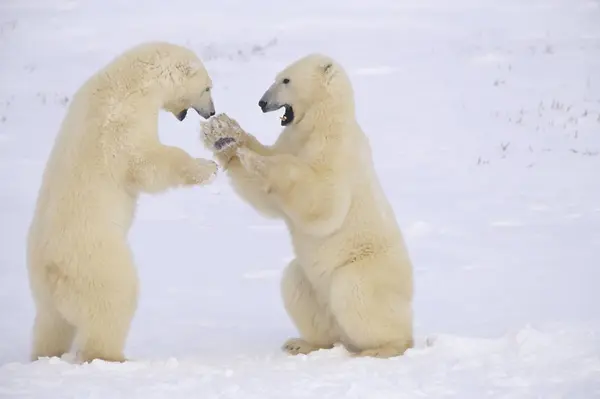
(142, 78)
(327, 113)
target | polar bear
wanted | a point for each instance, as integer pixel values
(81, 271)
(351, 279)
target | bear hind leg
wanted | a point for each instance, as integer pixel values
(102, 305)
(102, 334)
(104, 325)
(52, 334)
(313, 321)
(374, 316)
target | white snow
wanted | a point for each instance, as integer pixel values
(484, 118)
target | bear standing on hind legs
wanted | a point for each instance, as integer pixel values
(81, 271)
(351, 280)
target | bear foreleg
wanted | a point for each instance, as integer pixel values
(165, 167)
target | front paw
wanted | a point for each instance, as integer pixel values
(221, 134)
(200, 171)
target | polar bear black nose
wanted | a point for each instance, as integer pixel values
(262, 104)
(212, 113)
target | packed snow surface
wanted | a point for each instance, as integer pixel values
(484, 119)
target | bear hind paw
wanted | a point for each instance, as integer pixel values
(383, 352)
(298, 346)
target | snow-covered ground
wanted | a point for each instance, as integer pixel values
(484, 118)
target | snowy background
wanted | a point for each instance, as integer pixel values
(484, 118)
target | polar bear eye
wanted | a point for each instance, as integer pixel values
(286, 81)
(207, 89)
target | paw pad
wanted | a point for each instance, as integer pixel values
(223, 142)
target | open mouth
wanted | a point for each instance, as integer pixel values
(288, 116)
(181, 115)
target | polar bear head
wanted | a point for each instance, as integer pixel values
(189, 85)
(177, 73)
(309, 88)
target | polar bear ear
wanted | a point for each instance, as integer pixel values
(328, 71)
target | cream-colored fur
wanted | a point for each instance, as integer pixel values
(351, 280)
(81, 269)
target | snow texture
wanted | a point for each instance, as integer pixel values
(484, 117)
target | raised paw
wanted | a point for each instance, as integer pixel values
(220, 133)
(298, 346)
(200, 171)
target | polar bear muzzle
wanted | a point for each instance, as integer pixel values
(205, 114)
(288, 116)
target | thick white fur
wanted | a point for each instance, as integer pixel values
(351, 281)
(81, 269)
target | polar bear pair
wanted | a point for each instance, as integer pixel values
(351, 281)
